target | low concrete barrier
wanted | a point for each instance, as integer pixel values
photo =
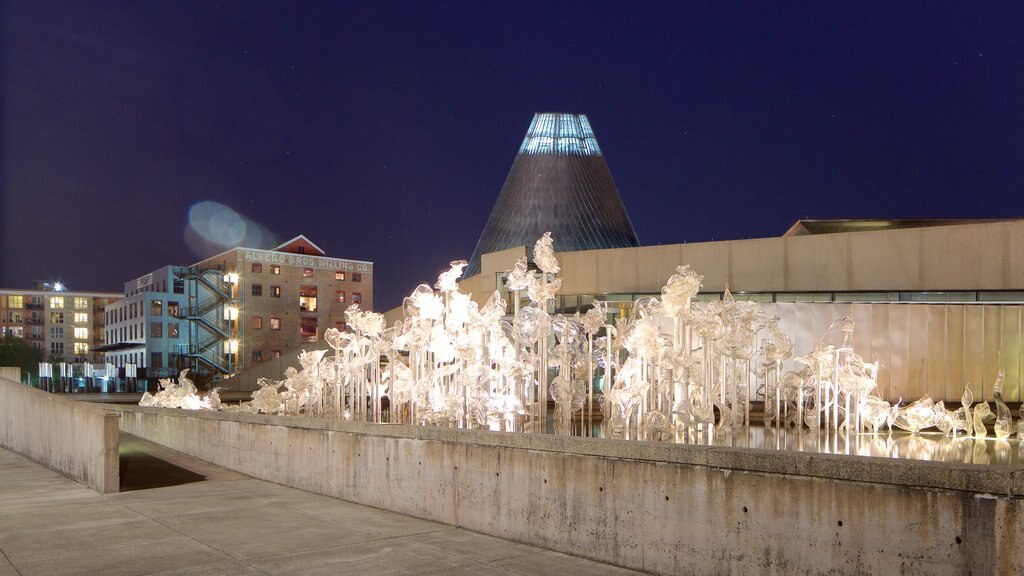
(75, 439)
(662, 508)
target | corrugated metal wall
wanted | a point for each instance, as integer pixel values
(933, 349)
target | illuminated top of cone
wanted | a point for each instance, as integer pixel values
(559, 183)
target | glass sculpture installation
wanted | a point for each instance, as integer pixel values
(674, 369)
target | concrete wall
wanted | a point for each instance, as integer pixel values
(663, 508)
(987, 256)
(12, 373)
(75, 439)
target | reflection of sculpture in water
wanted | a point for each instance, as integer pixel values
(671, 369)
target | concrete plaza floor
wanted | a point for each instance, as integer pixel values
(178, 515)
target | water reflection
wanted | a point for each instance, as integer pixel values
(931, 446)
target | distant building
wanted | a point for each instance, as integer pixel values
(66, 325)
(223, 314)
(559, 183)
(148, 327)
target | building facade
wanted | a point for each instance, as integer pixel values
(148, 326)
(222, 315)
(66, 325)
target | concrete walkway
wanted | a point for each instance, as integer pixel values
(217, 522)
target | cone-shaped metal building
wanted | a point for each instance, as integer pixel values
(559, 183)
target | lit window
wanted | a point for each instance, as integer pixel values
(275, 291)
(275, 323)
(156, 308)
(56, 301)
(15, 301)
(275, 269)
(357, 277)
(56, 317)
(341, 296)
(307, 272)
(256, 322)
(357, 297)
(81, 348)
(257, 289)
(172, 309)
(81, 303)
(172, 329)
(81, 317)
(307, 298)
(82, 333)
(256, 267)
(339, 275)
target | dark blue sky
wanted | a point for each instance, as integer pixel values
(384, 131)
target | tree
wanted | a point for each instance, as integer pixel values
(19, 352)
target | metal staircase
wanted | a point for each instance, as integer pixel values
(208, 330)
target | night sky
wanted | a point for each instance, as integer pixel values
(384, 131)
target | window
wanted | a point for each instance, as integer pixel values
(172, 309)
(156, 330)
(179, 285)
(82, 333)
(275, 353)
(56, 301)
(339, 275)
(302, 249)
(256, 322)
(57, 348)
(275, 269)
(257, 356)
(275, 291)
(357, 297)
(56, 331)
(156, 308)
(307, 272)
(81, 317)
(275, 323)
(56, 317)
(257, 289)
(340, 326)
(357, 277)
(16, 301)
(257, 267)
(307, 298)
(172, 329)
(341, 296)
(156, 360)
(81, 303)
(81, 348)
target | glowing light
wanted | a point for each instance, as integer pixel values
(560, 134)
